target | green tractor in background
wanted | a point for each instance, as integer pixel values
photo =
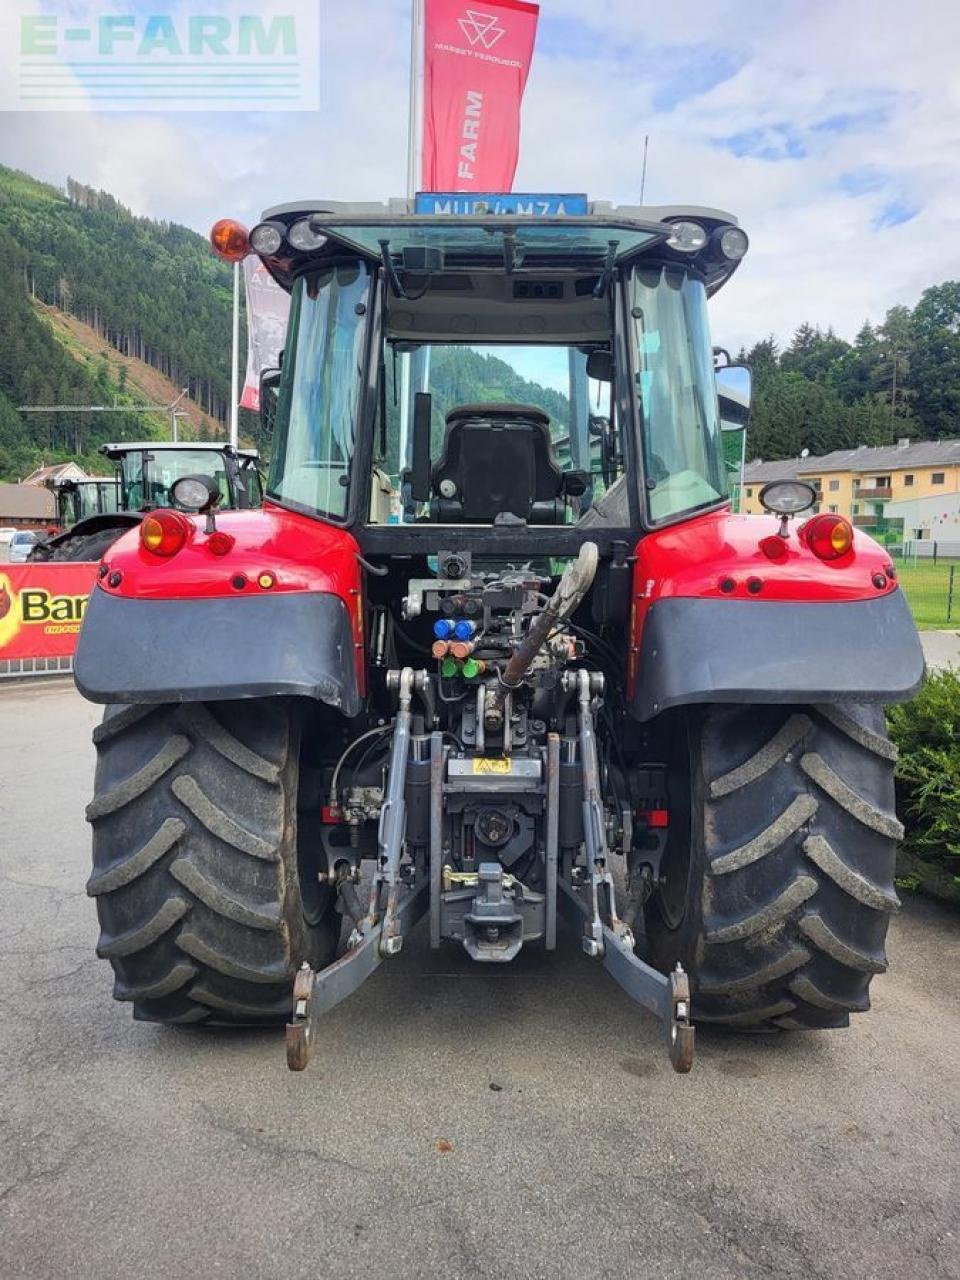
(95, 512)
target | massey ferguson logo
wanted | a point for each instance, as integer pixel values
(481, 28)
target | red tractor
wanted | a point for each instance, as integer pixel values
(495, 649)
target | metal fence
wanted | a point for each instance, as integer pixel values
(17, 668)
(927, 549)
(930, 577)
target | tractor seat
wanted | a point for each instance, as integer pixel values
(497, 458)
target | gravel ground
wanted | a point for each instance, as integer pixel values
(457, 1120)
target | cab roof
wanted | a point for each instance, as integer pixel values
(212, 446)
(507, 233)
(598, 211)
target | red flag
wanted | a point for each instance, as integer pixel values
(476, 62)
(267, 310)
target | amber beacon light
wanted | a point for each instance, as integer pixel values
(230, 240)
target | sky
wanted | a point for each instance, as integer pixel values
(829, 128)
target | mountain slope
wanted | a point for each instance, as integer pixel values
(146, 384)
(100, 307)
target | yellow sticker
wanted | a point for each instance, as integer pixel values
(487, 764)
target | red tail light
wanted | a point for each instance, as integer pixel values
(828, 536)
(163, 533)
(774, 547)
(219, 543)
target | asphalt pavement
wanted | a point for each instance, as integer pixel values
(457, 1120)
(941, 649)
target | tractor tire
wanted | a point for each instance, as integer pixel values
(87, 547)
(207, 902)
(781, 911)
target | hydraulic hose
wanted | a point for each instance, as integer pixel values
(573, 586)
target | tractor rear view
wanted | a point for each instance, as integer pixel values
(494, 646)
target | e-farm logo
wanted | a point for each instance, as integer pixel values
(193, 55)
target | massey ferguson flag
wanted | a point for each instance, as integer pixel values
(267, 310)
(476, 62)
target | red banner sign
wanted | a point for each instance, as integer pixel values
(41, 608)
(476, 62)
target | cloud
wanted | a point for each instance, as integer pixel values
(772, 142)
(864, 181)
(688, 73)
(895, 214)
(854, 121)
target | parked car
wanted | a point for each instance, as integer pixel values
(6, 534)
(21, 544)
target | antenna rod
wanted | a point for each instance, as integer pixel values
(643, 171)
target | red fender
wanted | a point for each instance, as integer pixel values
(274, 551)
(720, 555)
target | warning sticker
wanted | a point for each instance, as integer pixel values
(489, 764)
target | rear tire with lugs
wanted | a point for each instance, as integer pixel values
(206, 909)
(790, 885)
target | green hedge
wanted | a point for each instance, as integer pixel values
(927, 732)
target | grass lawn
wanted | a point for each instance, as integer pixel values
(926, 586)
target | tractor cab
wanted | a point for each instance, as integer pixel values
(146, 471)
(80, 499)
(540, 376)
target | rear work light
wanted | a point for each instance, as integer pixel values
(829, 536)
(163, 533)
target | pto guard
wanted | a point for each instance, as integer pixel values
(198, 627)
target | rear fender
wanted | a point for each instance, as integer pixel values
(713, 619)
(281, 613)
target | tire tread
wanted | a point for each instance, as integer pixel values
(793, 884)
(195, 873)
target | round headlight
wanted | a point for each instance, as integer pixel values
(687, 237)
(266, 239)
(302, 237)
(195, 493)
(732, 243)
(787, 497)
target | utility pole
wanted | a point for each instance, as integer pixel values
(175, 414)
(415, 106)
(235, 362)
(171, 409)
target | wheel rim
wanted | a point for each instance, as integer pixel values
(673, 888)
(674, 883)
(315, 896)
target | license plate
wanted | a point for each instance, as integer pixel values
(481, 204)
(488, 764)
